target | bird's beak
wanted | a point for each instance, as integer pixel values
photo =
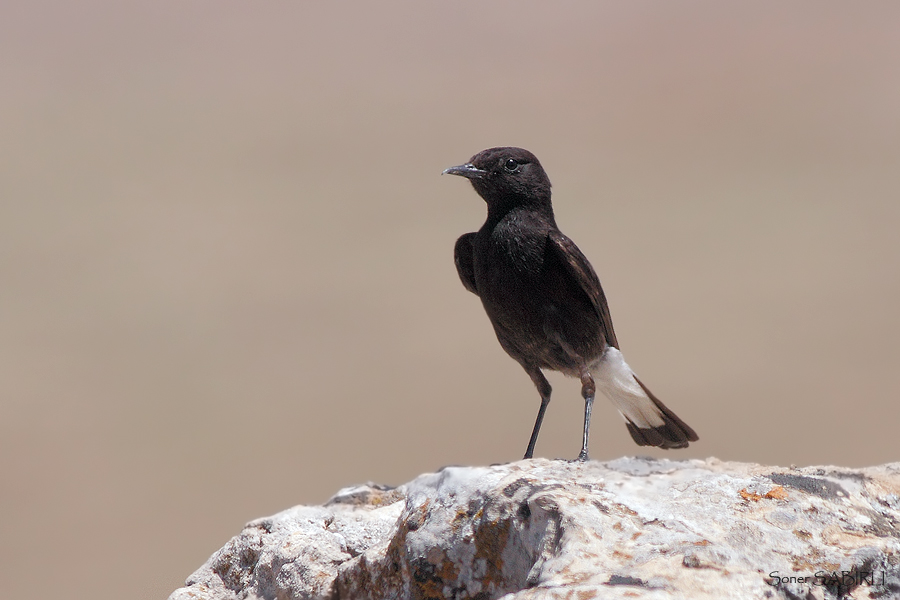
(467, 170)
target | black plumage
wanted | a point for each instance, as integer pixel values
(545, 301)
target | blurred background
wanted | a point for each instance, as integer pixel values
(226, 274)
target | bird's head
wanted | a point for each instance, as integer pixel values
(506, 178)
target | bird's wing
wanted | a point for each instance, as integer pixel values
(582, 273)
(465, 265)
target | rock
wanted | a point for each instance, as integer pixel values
(629, 528)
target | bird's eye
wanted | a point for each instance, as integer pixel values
(511, 165)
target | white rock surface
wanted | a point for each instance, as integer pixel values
(630, 528)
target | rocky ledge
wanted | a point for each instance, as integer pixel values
(629, 528)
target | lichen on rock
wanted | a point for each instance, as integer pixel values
(629, 528)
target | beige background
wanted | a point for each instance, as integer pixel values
(226, 277)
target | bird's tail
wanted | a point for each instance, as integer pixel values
(649, 421)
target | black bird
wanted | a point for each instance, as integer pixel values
(545, 301)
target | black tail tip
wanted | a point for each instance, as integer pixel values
(673, 433)
(667, 437)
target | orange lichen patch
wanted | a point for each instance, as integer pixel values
(776, 493)
(383, 497)
(620, 554)
(430, 583)
(617, 526)
(459, 519)
(702, 543)
(637, 534)
(490, 541)
(749, 495)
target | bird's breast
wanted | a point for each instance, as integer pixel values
(509, 262)
(509, 275)
(527, 297)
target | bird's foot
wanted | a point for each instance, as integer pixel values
(582, 457)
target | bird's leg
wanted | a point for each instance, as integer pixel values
(544, 389)
(588, 389)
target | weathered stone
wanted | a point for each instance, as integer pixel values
(629, 528)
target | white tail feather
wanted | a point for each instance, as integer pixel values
(614, 377)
